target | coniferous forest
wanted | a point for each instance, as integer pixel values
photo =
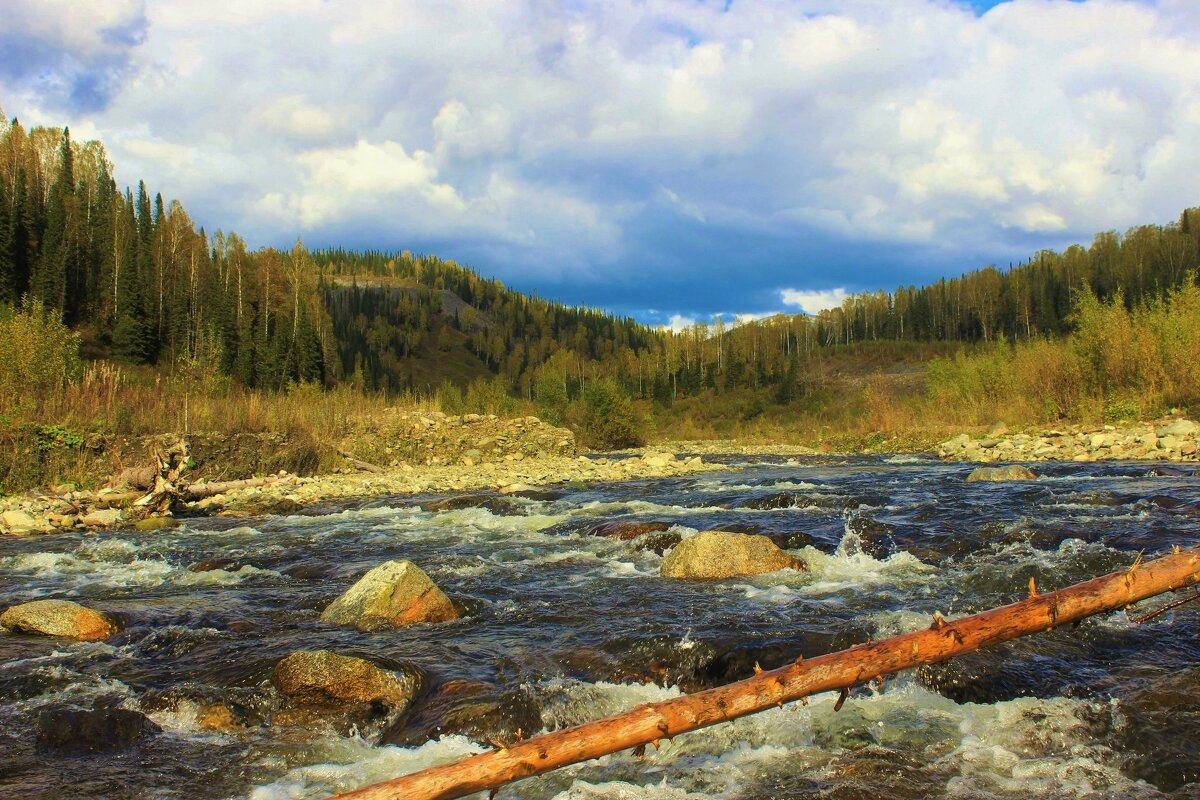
(143, 283)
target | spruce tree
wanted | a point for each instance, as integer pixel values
(7, 294)
(50, 277)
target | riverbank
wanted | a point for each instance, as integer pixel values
(409, 452)
(418, 452)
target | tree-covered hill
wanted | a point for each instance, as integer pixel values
(144, 284)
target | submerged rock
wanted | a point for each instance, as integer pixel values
(479, 711)
(58, 618)
(625, 530)
(1013, 472)
(102, 730)
(394, 594)
(721, 554)
(324, 677)
(500, 506)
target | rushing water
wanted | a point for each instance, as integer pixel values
(571, 627)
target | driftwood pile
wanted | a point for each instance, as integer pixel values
(161, 487)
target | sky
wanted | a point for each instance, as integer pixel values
(669, 160)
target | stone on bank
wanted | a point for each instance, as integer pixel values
(394, 594)
(722, 554)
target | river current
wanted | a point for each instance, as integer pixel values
(571, 627)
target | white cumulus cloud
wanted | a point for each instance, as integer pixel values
(813, 302)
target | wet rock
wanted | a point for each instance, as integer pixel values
(718, 554)
(264, 505)
(625, 531)
(538, 495)
(103, 730)
(103, 518)
(309, 570)
(659, 543)
(479, 711)
(775, 501)
(1013, 472)
(58, 618)
(741, 527)
(394, 594)
(324, 677)
(496, 505)
(210, 564)
(217, 717)
(156, 524)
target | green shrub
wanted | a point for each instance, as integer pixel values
(450, 398)
(40, 354)
(608, 419)
(489, 397)
(550, 397)
(1121, 409)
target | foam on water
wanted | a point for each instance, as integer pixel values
(641, 507)
(850, 569)
(115, 563)
(718, 486)
(623, 790)
(348, 763)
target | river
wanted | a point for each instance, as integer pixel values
(567, 627)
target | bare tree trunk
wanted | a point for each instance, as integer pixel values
(843, 670)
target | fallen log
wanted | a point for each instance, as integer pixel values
(650, 723)
(359, 464)
(199, 491)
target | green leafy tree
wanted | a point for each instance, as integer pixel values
(608, 419)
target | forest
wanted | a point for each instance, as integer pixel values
(140, 283)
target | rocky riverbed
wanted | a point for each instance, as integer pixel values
(422, 452)
(1164, 440)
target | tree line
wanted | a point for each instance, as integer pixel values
(143, 284)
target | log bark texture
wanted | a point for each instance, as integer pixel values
(836, 671)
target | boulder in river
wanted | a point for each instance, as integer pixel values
(324, 677)
(102, 730)
(394, 594)
(1013, 472)
(721, 554)
(500, 506)
(58, 618)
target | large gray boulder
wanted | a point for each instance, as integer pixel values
(1180, 427)
(394, 594)
(1013, 472)
(58, 618)
(723, 554)
(323, 677)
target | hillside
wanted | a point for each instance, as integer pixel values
(143, 285)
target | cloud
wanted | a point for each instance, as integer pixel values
(678, 154)
(678, 323)
(813, 302)
(66, 55)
